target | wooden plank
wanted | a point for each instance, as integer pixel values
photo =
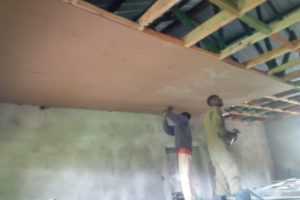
(227, 5)
(103, 13)
(269, 109)
(281, 40)
(289, 20)
(284, 66)
(255, 23)
(246, 115)
(272, 54)
(259, 102)
(216, 22)
(243, 3)
(291, 107)
(125, 22)
(98, 34)
(155, 11)
(283, 100)
(213, 24)
(287, 93)
(292, 76)
(247, 18)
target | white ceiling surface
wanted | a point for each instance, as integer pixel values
(54, 54)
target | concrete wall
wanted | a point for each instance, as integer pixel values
(284, 137)
(252, 154)
(81, 154)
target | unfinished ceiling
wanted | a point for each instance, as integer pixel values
(55, 54)
(259, 34)
(267, 108)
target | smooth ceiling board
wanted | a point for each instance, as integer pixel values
(54, 54)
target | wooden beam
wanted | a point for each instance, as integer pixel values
(289, 20)
(190, 24)
(155, 11)
(247, 18)
(255, 23)
(281, 40)
(269, 109)
(272, 54)
(293, 102)
(287, 93)
(284, 66)
(191, 13)
(227, 5)
(292, 76)
(202, 31)
(243, 3)
(246, 115)
(216, 22)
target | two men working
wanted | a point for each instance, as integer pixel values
(218, 138)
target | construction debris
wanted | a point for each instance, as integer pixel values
(287, 189)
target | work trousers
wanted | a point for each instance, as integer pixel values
(226, 171)
(184, 164)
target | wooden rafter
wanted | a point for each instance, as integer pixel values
(246, 115)
(289, 20)
(291, 76)
(269, 109)
(293, 102)
(281, 40)
(287, 93)
(202, 31)
(227, 5)
(247, 18)
(155, 11)
(284, 66)
(272, 54)
(216, 22)
(289, 107)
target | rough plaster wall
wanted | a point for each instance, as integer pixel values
(284, 137)
(252, 154)
(80, 154)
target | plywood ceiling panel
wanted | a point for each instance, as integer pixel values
(55, 54)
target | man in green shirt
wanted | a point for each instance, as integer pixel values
(226, 172)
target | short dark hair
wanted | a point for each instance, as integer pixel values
(212, 97)
(188, 115)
